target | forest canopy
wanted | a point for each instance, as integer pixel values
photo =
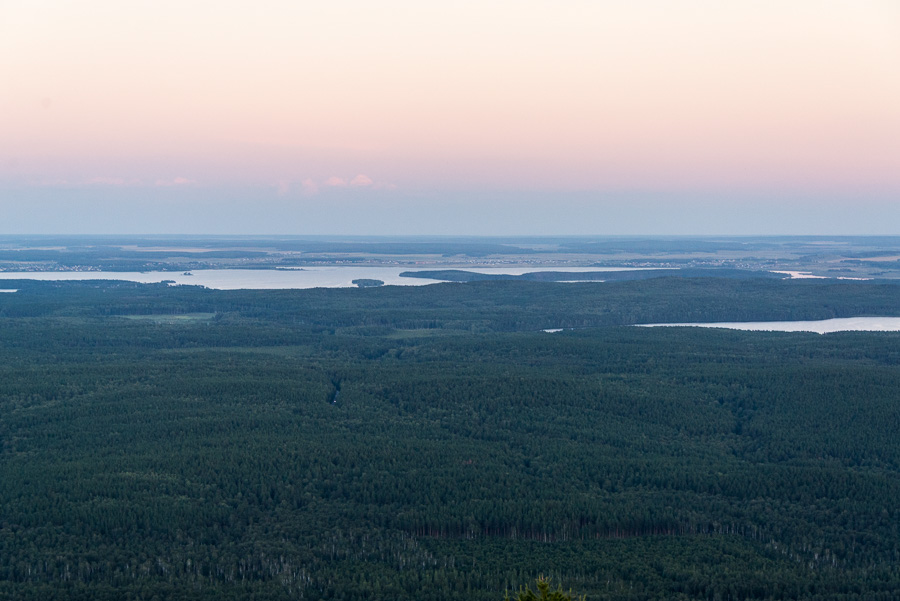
(433, 443)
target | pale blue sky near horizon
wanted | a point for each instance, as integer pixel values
(250, 211)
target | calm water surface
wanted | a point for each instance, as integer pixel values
(260, 279)
(824, 326)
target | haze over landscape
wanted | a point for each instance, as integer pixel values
(344, 300)
(402, 117)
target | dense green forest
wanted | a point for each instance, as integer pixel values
(432, 443)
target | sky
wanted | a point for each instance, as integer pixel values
(464, 117)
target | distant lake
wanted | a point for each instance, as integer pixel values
(824, 326)
(262, 279)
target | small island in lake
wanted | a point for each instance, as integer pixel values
(367, 283)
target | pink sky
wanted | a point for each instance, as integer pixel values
(580, 96)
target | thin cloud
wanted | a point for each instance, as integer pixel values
(105, 181)
(178, 181)
(310, 188)
(361, 180)
(283, 187)
(101, 180)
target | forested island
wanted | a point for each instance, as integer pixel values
(433, 443)
(367, 283)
